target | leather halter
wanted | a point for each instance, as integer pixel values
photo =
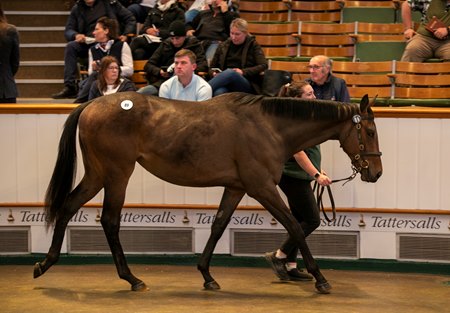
(359, 158)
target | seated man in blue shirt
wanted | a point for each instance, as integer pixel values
(185, 84)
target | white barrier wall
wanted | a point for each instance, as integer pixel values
(416, 153)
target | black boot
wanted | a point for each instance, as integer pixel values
(67, 92)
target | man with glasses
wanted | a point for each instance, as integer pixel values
(159, 67)
(326, 86)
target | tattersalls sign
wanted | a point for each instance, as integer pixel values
(253, 219)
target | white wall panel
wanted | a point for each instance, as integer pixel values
(407, 163)
(27, 169)
(214, 195)
(428, 163)
(386, 187)
(8, 159)
(153, 189)
(195, 195)
(444, 165)
(135, 191)
(49, 128)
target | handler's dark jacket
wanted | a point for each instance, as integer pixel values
(165, 56)
(253, 61)
(82, 19)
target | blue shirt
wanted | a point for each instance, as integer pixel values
(197, 90)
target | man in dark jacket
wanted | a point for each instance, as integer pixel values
(79, 27)
(158, 66)
(326, 86)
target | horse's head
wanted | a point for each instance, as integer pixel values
(360, 141)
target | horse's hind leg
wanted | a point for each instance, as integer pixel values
(84, 192)
(112, 206)
(229, 202)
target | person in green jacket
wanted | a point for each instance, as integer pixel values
(295, 182)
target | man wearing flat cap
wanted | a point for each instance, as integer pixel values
(159, 67)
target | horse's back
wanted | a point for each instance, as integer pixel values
(179, 141)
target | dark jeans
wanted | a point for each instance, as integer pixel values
(73, 51)
(229, 81)
(303, 206)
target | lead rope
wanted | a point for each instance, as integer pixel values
(320, 190)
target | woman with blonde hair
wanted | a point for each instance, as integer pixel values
(240, 61)
(109, 80)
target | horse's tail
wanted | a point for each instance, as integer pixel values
(63, 175)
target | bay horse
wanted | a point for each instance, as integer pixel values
(235, 140)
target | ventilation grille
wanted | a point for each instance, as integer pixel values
(424, 247)
(14, 240)
(321, 243)
(133, 240)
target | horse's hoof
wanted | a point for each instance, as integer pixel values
(323, 288)
(212, 285)
(37, 270)
(141, 286)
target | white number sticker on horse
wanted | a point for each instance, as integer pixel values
(126, 104)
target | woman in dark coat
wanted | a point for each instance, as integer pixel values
(240, 60)
(9, 60)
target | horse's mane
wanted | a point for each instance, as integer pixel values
(308, 108)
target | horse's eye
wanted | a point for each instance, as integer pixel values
(370, 133)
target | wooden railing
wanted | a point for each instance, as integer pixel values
(380, 112)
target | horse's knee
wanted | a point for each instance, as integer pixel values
(108, 225)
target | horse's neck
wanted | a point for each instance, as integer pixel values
(299, 135)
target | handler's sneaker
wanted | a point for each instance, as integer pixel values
(298, 275)
(278, 265)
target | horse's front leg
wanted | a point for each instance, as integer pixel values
(110, 220)
(230, 200)
(78, 197)
(271, 200)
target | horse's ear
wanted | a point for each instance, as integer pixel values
(364, 104)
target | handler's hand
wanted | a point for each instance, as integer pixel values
(323, 180)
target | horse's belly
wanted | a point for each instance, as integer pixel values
(191, 175)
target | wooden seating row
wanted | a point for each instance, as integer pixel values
(303, 39)
(320, 11)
